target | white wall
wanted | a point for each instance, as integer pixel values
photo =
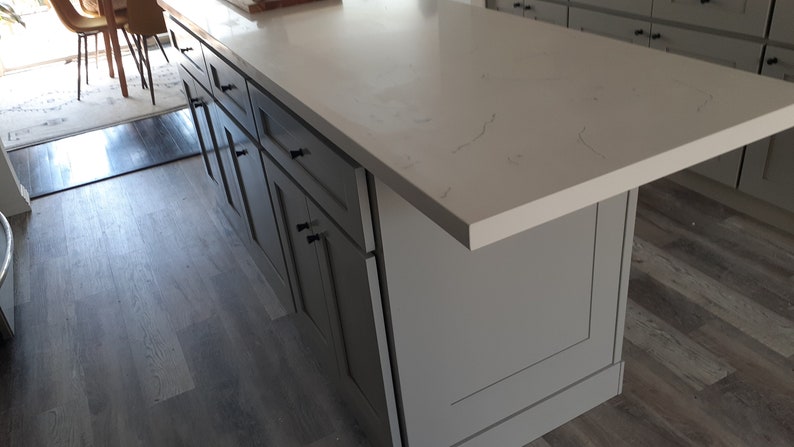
(13, 196)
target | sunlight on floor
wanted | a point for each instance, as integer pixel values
(84, 157)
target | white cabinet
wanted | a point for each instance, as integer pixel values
(739, 16)
(782, 29)
(616, 27)
(768, 170)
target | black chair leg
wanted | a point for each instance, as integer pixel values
(85, 56)
(132, 51)
(79, 61)
(160, 44)
(148, 67)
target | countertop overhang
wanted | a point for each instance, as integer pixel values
(490, 124)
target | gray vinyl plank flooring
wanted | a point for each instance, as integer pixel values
(142, 321)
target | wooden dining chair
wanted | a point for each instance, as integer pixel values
(145, 20)
(83, 26)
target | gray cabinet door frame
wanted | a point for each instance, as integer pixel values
(768, 170)
(621, 28)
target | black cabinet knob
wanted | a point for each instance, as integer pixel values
(241, 153)
(302, 226)
(299, 153)
(312, 238)
(772, 61)
(656, 36)
(185, 50)
(227, 87)
(516, 5)
(639, 32)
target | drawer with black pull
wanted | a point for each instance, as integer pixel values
(230, 90)
(190, 47)
(331, 179)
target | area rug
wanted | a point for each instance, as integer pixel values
(40, 105)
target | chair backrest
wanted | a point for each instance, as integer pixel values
(67, 13)
(145, 17)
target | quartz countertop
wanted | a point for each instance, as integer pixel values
(490, 124)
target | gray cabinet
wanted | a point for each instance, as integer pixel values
(546, 12)
(621, 28)
(533, 9)
(250, 209)
(782, 29)
(199, 102)
(739, 16)
(721, 50)
(191, 50)
(768, 170)
(337, 297)
(515, 7)
(641, 7)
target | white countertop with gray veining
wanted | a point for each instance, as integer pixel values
(488, 123)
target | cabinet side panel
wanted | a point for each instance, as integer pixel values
(479, 336)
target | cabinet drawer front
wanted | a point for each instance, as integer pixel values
(628, 30)
(642, 7)
(782, 28)
(779, 63)
(230, 90)
(191, 49)
(546, 12)
(337, 184)
(740, 16)
(509, 6)
(721, 50)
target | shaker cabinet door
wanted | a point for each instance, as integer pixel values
(782, 18)
(546, 12)
(515, 7)
(228, 141)
(739, 16)
(300, 248)
(768, 171)
(621, 28)
(351, 285)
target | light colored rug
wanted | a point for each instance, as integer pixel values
(40, 105)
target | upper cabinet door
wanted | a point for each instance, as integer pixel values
(783, 22)
(740, 16)
(642, 7)
(622, 28)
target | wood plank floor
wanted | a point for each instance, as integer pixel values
(142, 322)
(86, 158)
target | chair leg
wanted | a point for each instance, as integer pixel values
(148, 67)
(108, 54)
(132, 50)
(160, 44)
(96, 50)
(139, 61)
(85, 56)
(79, 61)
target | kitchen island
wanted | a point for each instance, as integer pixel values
(447, 194)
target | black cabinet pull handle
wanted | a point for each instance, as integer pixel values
(528, 7)
(772, 61)
(639, 32)
(227, 87)
(299, 153)
(312, 238)
(656, 36)
(185, 50)
(196, 102)
(303, 226)
(241, 153)
(516, 5)
(702, 2)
